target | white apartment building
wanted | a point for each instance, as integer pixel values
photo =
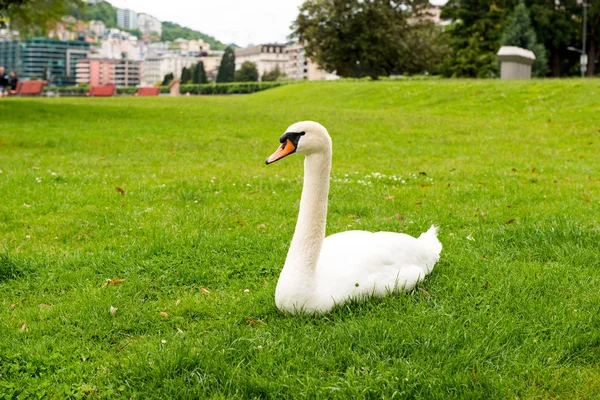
(267, 57)
(301, 67)
(149, 25)
(126, 18)
(155, 68)
(116, 48)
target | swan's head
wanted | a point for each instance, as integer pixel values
(306, 137)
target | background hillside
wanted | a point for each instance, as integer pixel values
(105, 12)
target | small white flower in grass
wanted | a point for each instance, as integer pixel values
(163, 341)
(26, 205)
(470, 238)
(249, 185)
(38, 180)
(27, 237)
(113, 310)
(55, 237)
(0, 171)
(54, 174)
(246, 290)
(259, 347)
(217, 192)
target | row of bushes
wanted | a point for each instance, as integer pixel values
(219, 88)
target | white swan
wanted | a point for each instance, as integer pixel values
(321, 272)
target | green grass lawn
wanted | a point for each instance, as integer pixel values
(510, 171)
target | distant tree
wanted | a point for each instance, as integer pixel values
(227, 68)
(200, 73)
(247, 73)
(168, 79)
(34, 17)
(342, 35)
(101, 11)
(186, 75)
(519, 32)
(135, 32)
(273, 75)
(474, 36)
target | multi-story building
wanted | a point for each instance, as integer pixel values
(103, 71)
(126, 18)
(301, 67)
(148, 25)
(267, 57)
(49, 59)
(119, 48)
(155, 68)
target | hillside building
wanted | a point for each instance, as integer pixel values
(148, 25)
(126, 19)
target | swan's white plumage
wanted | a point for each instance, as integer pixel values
(322, 272)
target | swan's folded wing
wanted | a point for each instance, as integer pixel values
(357, 262)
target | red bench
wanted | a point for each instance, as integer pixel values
(102, 91)
(28, 88)
(147, 91)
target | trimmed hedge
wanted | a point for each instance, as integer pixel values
(227, 88)
(220, 88)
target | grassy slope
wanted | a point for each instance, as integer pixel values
(512, 309)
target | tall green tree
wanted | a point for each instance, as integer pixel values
(247, 73)
(474, 36)
(519, 32)
(227, 68)
(186, 75)
(558, 26)
(357, 38)
(168, 79)
(593, 47)
(35, 17)
(201, 73)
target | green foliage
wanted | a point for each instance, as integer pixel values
(247, 73)
(273, 75)
(172, 31)
(474, 36)
(227, 68)
(200, 75)
(511, 311)
(101, 11)
(168, 79)
(36, 17)
(186, 75)
(519, 32)
(342, 36)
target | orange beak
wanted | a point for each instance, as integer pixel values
(285, 149)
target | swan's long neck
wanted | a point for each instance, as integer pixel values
(310, 229)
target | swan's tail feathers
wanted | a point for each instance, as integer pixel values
(433, 247)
